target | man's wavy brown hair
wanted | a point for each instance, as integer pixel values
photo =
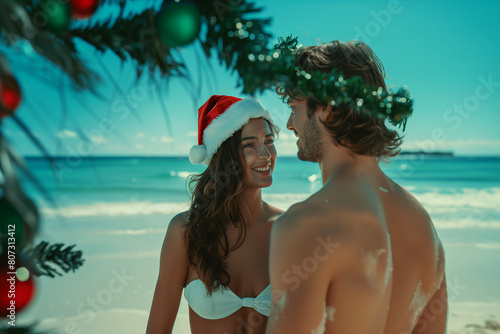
(362, 134)
(214, 208)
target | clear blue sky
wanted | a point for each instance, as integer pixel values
(445, 52)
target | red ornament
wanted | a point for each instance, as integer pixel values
(15, 294)
(10, 94)
(83, 9)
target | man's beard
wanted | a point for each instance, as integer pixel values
(312, 148)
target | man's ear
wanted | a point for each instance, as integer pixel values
(325, 113)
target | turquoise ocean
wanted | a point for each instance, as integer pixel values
(116, 210)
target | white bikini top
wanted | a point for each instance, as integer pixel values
(223, 302)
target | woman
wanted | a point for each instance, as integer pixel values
(218, 250)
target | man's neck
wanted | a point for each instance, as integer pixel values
(341, 160)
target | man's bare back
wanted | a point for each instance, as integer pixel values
(386, 266)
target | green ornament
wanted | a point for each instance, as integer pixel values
(11, 223)
(53, 14)
(178, 23)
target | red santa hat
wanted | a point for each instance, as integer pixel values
(218, 119)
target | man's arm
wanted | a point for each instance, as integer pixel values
(301, 270)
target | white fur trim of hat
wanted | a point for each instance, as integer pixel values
(225, 125)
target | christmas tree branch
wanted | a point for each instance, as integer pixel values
(235, 38)
(134, 36)
(16, 24)
(40, 257)
(229, 31)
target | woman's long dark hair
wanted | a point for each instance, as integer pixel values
(214, 208)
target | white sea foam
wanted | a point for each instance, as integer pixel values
(184, 175)
(286, 196)
(487, 246)
(493, 246)
(132, 208)
(314, 177)
(181, 174)
(124, 255)
(284, 200)
(468, 208)
(457, 223)
(475, 200)
(128, 232)
(116, 209)
(464, 209)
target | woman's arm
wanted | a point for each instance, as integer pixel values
(171, 279)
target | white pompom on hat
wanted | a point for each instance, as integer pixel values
(218, 119)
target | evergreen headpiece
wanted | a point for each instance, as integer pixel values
(333, 88)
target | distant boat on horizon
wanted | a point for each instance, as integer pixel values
(440, 154)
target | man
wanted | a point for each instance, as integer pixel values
(361, 255)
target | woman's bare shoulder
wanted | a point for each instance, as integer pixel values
(180, 218)
(274, 212)
(177, 226)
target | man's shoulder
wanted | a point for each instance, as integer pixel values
(305, 232)
(350, 195)
(327, 208)
(307, 224)
(295, 216)
(309, 220)
(413, 202)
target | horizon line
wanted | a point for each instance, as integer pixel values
(186, 157)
